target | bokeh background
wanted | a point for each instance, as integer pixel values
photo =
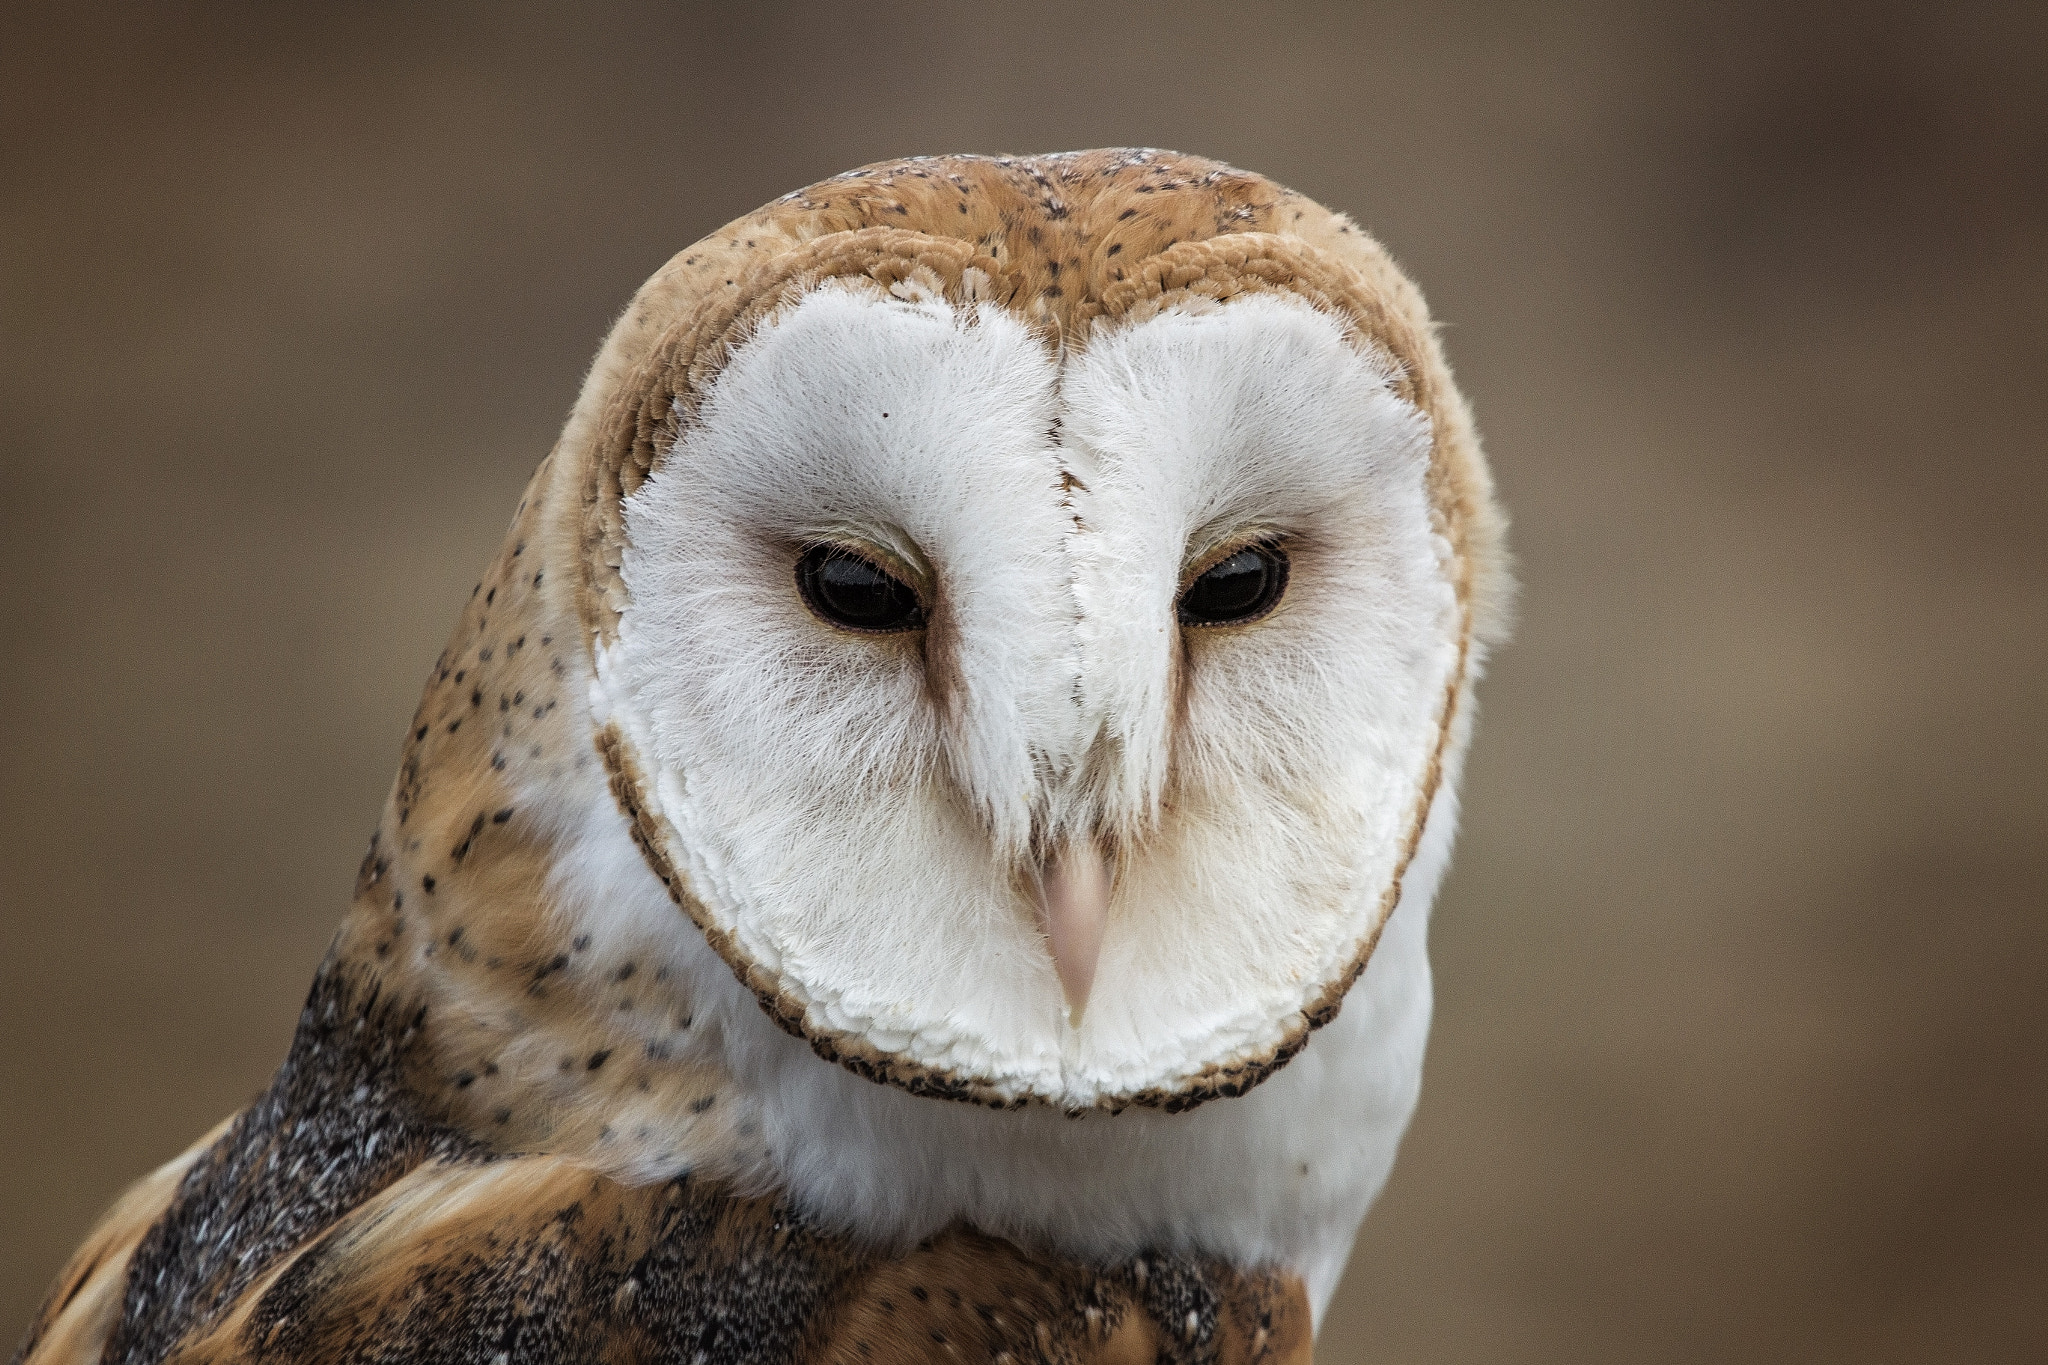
(1742, 1049)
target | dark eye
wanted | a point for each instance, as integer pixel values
(1242, 587)
(852, 592)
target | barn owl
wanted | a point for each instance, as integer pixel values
(920, 846)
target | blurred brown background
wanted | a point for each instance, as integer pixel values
(1742, 1049)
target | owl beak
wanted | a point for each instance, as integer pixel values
(1073, 891)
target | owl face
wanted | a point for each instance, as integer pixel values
(1031, 719)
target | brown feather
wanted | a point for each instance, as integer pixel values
(84, 1304)
(563, 1264)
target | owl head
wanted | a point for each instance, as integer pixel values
(1032, 604)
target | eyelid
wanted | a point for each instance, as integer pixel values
(1242, 538)
(917, 575)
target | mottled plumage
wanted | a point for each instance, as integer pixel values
(535, 1109)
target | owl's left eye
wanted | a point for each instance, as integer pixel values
(855, 593)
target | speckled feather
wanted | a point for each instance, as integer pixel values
(332, 1221)
(435, 1174)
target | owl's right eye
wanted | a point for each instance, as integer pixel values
(855, 593)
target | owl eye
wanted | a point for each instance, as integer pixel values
(853, 592)
(1242, 587)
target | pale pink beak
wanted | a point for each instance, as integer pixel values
(1073, 893)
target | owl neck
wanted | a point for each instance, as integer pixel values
(570, 1007)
